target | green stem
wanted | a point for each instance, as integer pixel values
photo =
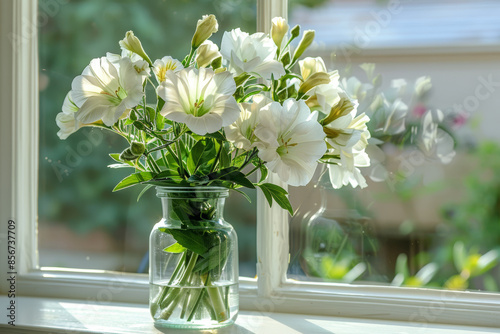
(208, 306)
(176, 293)
(252, 171)
(181, 163)
(249, 158)
(190, 57)
(155, 303)
(152, 163)
(195, 307)
(217, 302)
(217, 157)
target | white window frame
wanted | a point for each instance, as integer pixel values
(272, 291)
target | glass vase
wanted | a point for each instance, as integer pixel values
(338, 242)
(193, 272)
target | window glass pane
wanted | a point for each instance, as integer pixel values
(82, 224)
(431, 219)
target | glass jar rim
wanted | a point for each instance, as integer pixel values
(164, 191)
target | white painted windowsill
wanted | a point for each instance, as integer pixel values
(42, 315)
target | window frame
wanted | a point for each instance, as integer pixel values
(271, 292)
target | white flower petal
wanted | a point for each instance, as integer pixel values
(200, 98)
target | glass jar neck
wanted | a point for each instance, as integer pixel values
(338, 203)
(192, 204)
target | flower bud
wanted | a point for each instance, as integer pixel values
(342, 108)
(319, 78)
(307, 39)
(279, 29)
(295, 32)
(220, 70)
(133, 115)
(137, 148)
(206, 53)
(133, 44)
(127, 155)
(285, 60)
(204, 29)
(309, 66)
(217, 63)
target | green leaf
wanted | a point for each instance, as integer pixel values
(168, 183)
(134, 179)
(175, 248)
(216, 135)
(232, 174)
(216, 255)
(116, 157)
(195, 155)
(151, 114)
(139, 125)
(148, 186)
(267, 194)
(459, 255)
(122, 165)
(244, 195)
(225, 155)
(190, 239)
(241, 179)
(263, 171)
(198, 179)
(128, 121)
(167, 174)
(160, 122)
(402, 266)
(487, 261)
(278, 194)
(490, 283)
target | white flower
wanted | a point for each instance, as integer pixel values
(279, 28)
(347, 134)
(355, 88)
(251, 54)
(241, 132)
(205, 27)
(325, 97)
(105, 91)
(161, 66)
(434, 142)
(133, 44)
(339, 177)
(422, 85)
(309, 66)
(66, 119)
(207, 52)
(388, 116)
(200, 98)
(305, 42)
(290, 141)
(140, 65)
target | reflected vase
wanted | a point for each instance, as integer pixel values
(338, 242)
(193, 274)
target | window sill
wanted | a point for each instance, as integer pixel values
(35, 315)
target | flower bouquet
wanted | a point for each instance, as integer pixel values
(215, 118)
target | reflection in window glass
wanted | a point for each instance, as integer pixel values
(429, 216)
(82, 224)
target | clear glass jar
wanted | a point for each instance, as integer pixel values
(193, 271)
(338, 242)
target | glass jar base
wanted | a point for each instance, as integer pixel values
(193, 325)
